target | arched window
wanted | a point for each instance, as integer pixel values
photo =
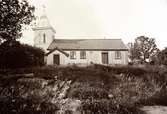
(44, 38)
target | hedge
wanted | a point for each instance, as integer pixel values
(16, 55)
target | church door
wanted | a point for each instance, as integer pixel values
(104, 58)
(56, 59)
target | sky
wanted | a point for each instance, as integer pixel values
(111, 19)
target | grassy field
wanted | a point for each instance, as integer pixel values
(103, 89)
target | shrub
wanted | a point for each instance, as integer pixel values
(28, 96)
(107, 107)
(86, 75)
(121, 69)
(48, 72)
(17, 105)
(158, 98)
(88, 93)
(18, 55)
(162, 57)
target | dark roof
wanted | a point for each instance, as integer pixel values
(66, 54)
(90, 44)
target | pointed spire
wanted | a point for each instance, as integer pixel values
(43, 15)
(43, 21)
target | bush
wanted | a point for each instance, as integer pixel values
(86, 75)
(17, 105)
(107, 107)
(162, 57)
(88, 93)
(16, 55)
(158, 98)
(122, 69)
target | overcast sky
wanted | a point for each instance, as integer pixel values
(125, 19)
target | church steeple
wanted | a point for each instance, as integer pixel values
(44, 32)
(43, 21)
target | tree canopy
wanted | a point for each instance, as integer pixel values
(144, 48)
(162, 57)
(13, 15)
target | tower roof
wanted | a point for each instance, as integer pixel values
(43, 23)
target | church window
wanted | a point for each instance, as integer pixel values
(117, 55)
(44, 38)
(72, 54)
(82, 54)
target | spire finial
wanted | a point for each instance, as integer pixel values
(43, 7)
(43, 11)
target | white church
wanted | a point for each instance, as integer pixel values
(78, 51)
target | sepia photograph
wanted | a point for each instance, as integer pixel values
(83, 56)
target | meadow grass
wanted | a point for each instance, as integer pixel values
(112, 89)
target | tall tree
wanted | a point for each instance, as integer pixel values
(134, 53)
(144, 48)
(162, 57)
(14, 14)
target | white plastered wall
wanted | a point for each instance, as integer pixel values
(91, 57)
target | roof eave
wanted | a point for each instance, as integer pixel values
(94, 49)
(60, 50)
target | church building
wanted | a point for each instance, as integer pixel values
(78, 51)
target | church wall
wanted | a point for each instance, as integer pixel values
(91, 57)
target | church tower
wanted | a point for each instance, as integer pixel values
(44, 33)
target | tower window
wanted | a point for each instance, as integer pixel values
(44, 38)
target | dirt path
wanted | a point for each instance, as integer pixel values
(155, 109)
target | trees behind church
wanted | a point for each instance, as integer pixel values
(143, 49)
(14, 15)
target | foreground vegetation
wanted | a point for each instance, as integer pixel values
(99, 89)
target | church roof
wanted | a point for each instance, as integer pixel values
(88, 44)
